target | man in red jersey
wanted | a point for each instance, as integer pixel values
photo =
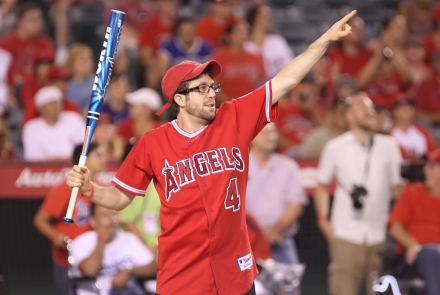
(26, 43)
(199, 164)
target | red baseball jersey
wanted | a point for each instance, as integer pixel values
(201, 179)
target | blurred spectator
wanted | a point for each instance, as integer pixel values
(242, 71)
(345, 87)
(34, 82)
(415, 54)
(6, 147)
(298, 116)
(350, 55)
(386, 76)
(154, 32)
(5, 62)
(58, 77)
(115, 104)
(274, 48)
(367, 171)
(212, 26)
(324, 82)
(415, 221)
(54, 134)
(5, 9)
(141, 217)
(432, 39)
(26, 43)
(393, 33)
(277, 176)
(418, 15)
(80, 64)
(136, 13)
(384, 122)
(334, 125)
(48, 219)
(111, 256)
(183, 46)
(414, 139)
(428, 98)
(104, 135)
(143, 104)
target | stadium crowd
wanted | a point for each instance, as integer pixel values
(367, 105)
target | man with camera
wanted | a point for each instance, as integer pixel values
(366, 167)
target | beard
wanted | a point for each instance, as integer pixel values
(199, 111)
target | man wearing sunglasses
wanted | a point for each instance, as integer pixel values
(199, 164)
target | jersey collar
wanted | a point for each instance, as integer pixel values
(186, 134)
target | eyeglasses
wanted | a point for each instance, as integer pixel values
(204, 88)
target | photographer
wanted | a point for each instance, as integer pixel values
(367, 170)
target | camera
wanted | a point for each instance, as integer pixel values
(358, 195)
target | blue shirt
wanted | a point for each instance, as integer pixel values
(174, 51)
(80, 92)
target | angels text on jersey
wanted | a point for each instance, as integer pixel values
(182, 172)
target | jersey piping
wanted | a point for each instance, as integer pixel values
(129, 188)
(184, 133)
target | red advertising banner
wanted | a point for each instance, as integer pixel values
(24, 180)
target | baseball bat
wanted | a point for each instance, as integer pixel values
(102, 79)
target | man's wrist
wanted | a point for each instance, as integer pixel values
(321, 217)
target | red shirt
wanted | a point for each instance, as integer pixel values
(430, 47)
(212, 32)
(125, 129)
(418, 212)
(25, 53)
(201, 180)
(30, 87)
(350, 65)
(294, 123)
(385, 91)
(428, 95)
(30, 110)
(153, 33)
(55, 204)
(240, 73)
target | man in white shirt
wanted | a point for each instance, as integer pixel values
(367, 170)
(111, 256)
(54, 134)
(274, 195)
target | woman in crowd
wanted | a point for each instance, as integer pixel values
(80, 65)
(274, 48)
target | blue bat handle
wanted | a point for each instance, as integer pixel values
(103, 73)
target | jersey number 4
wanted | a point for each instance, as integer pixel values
(232, 200)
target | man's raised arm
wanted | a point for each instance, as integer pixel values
(294, 71)
(109, 197)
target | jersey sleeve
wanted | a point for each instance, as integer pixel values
(396, 163)
(135, 173)
(254, 111)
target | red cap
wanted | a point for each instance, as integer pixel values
(434, 156)
(186, 70)
(58, 73)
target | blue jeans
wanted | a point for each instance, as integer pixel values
(428, 261)
(285, 252)
(62, 280)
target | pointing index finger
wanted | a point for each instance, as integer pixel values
(346, 18)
